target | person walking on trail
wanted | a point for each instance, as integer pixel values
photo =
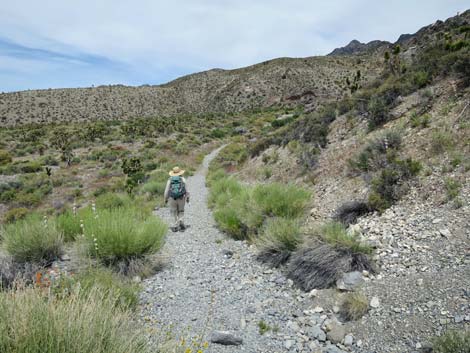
(176, 194)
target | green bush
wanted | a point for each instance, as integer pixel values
(452, 341)
(31, 167)
(354, 306)
(112, 200)
(123, 234)
(442, 141)
(278, 200)
(15, 214)
(124, 292)
(241, 210)
(32, 239)
(280, 234)
(69, 223)
(5, 157)
(336, 234)
(377, 153)
(231, 155)
(452, 188)
(222, 190)
(229, 221)
(34, 321)
(387, 187)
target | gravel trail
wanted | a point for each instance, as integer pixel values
(212, 282)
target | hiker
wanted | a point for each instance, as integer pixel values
(177, 194)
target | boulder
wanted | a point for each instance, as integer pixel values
(226, 338)
(350, 281)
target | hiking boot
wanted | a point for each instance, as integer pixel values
(182, 228)
(174, 229)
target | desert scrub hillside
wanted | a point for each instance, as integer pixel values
(384, 238)
(275, 82)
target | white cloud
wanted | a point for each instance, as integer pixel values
(155, 36)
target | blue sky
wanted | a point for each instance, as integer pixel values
(65, 43)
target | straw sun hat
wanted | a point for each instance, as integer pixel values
(176, 171)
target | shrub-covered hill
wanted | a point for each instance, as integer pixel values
(262, 85)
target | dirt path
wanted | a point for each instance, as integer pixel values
(215, 283)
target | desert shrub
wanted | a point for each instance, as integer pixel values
(5, 157)
(32, 239)
(452, 341)
(217, 133)
(50, 160)
(12, 272)
(214, 175)
(452, 188)
(231, 155)
(70, 223)
(123, 291)
(121, 234)
(34, 321)
(377, 153)
(182, 148)
(442, 141)
(336, 234)
(278, 200)
(222, 190)
(15, 214)
(319, 265)
(349, 212)
(354, 306)
(31, 167)
(388, 186)
(229, 221)
(112, 200)
(421, 121)
(278, 239)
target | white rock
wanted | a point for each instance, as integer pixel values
(348, 340)
(318, 309)
(375, 302)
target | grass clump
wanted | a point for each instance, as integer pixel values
(452, 188)
(263, 327)
(124, 292)
(278, 200)
(32, 239)
(326, 255)
(15, 214)
(34, 321)
(279, 238)
(241, 210)
(112, 200)
(123, 234)
(354, 306)
(335, 233)
(452, 341)
(230, 157)
(442, 141)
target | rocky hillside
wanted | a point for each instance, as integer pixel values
(283, 81)
(220, 91)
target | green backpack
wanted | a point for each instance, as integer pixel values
(177, 187)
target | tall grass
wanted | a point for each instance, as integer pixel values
(281, 234)
(336, 234)
(278, 200)
(242, 210)
(123, 234)
(32, 239)
(113, 200)
(124, 292)
(452, 342)
(31, 321)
